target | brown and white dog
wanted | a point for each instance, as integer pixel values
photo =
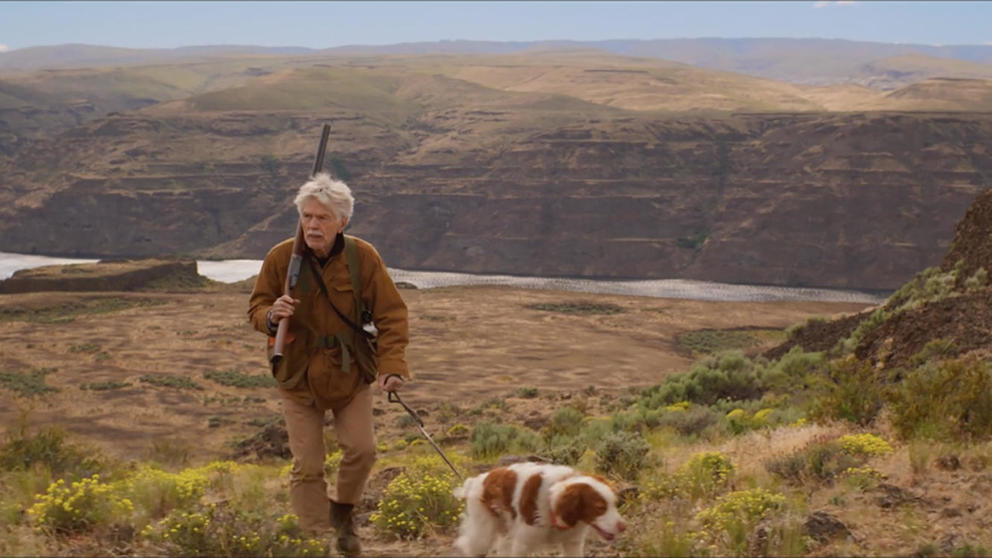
(525, 507)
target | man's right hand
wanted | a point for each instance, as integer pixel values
(283, 307)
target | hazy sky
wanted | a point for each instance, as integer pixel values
(326, 24)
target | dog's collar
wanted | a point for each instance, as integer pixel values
(557, 524)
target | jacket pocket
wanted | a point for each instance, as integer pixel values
(329, 378)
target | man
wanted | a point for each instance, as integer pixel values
(320, 370)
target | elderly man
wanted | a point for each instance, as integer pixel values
(320, 369)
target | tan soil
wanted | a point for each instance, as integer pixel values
(468, 344)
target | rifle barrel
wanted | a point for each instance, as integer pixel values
(293, 273)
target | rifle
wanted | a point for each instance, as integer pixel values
(299, 245)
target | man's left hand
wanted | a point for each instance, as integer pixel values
(390, 382)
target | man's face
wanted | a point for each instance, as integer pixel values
(320, 226)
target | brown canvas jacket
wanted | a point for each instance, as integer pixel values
(305, 355)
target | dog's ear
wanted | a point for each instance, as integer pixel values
(569, 506)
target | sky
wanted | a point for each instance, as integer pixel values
(318, 25)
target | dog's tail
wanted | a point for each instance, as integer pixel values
(462, 492)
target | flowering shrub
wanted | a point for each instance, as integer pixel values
(678, 406)
(417, 501)
(705, 474)
(156, 492)
(862, 477)
(185, 532)
(81, 506)
(734, 517)
(864, 445)
(221, 530)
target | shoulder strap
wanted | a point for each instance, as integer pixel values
(323, 289)
(355, 268)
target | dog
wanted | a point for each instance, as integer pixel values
(525, 507)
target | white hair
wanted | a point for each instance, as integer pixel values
(333, 194)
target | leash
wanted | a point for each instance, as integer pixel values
(395, 398)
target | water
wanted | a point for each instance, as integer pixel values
(230, 271)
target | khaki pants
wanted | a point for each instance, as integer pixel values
(309, 492)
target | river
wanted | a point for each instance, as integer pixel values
(229, 271)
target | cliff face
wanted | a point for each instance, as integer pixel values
(835, 200)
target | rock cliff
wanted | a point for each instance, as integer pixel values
(852, 200)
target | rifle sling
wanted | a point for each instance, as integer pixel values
(323, 289)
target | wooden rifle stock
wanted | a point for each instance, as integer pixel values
(295, 261)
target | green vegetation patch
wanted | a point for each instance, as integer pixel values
(46, 448)
(29, 383)
(104, 386)
(237, 379)
(68, 311)
(168, 380)
(579, 307)
(711, 341)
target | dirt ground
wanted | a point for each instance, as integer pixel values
(468, 344)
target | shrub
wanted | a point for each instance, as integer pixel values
(929, 285)
(84, 505)
(168, 380)
(865, 445)
(951, 399)
(104, 386)
(979, 280)
(28, 384)
(622, 454)
(490, 440)
(733, 519)
(934, 349)
(237, 379)
(862, 478)
(729, 376)
(846, 346)
(528, 392)
(824, 461)
(223, 529)
(418, 501)
(793, 368)
(851, 391)
(566, 421)
(457, 431)
(579, 307)
(155, 492)
(564, 451)
(692, 422)
(705, 474)
(47, 448)
(710, 341)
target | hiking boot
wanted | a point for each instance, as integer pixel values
(341, 520)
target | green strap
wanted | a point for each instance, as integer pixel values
(354, 268)
(338, 340)
(345, 353)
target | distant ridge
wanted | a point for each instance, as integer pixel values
(807, 61)
(81, 55)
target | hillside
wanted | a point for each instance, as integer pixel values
(557, 162)
(945, 311)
